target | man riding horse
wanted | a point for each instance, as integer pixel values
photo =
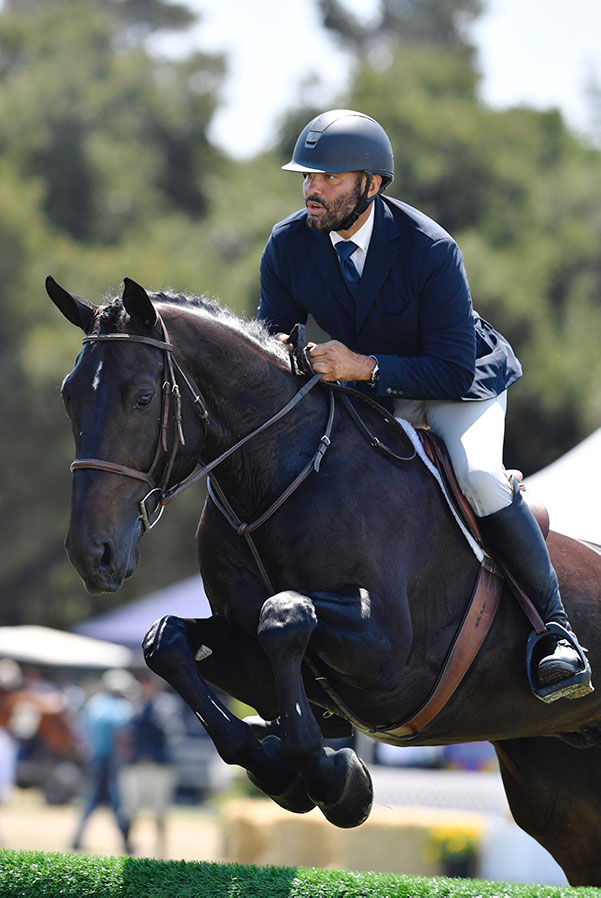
(388, 285)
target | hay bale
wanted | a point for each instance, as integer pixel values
(394, 840)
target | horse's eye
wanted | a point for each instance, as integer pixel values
(144, 400)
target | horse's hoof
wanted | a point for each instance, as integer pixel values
(294, 796)
(352, 782)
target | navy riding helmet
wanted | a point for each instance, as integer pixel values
(343, 140)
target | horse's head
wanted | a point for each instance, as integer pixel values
(124, 412)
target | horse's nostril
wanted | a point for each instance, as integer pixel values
(107, 555)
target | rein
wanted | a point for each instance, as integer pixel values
(171, 388)
(220, 501)
(480, 610)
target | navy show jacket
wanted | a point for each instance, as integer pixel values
(413, 310)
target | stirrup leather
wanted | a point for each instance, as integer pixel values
(577, 685)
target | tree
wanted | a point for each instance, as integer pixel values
(106, 171)
(434, 24)
(114, 134)
(104, 150)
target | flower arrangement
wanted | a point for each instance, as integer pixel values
(455, 846)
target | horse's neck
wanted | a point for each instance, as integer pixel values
(242, 388)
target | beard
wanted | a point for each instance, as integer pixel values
(337, 212)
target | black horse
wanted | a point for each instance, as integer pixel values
(337, 579)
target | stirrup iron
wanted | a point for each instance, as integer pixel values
(571, 687)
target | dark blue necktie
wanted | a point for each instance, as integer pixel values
(345, 249)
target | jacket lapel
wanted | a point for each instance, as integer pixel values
(381, 255)
(326, 260)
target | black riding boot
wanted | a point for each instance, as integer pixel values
(514, 538)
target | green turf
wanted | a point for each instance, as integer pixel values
(36, 873)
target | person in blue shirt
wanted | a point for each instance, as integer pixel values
(389, 287)
(106, 720)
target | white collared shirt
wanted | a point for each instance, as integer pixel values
(361, 237)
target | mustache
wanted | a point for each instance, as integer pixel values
(315, 199)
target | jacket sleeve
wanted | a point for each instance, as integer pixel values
(277, 308)
(445, 365)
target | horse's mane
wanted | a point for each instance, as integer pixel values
(113, 315)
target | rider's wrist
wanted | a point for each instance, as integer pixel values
(375, 372)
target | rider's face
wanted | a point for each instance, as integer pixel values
(330, 198)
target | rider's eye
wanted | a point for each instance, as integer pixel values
(144, 400)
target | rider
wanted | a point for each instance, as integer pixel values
(388, 285)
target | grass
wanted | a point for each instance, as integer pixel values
(36, 874)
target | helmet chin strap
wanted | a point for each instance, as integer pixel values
(362, 204)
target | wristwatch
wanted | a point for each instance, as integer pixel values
(375, 372)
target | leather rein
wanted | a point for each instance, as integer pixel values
(171, 389)
(481, 608)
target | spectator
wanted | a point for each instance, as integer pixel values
(149, 781)
(106, 719)
(10, 681)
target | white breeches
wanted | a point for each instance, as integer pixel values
(473, 433)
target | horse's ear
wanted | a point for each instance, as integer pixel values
(137, 303)
(78, 311)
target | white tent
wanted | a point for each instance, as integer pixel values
(128, 624)
(43, 645)
(571, 489)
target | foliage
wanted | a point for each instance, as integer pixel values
(412, 23)
(106, 171)
(453, 842)
(114, 136)
(27, 874)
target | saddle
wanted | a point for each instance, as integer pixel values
(488, 589)
(436, 451)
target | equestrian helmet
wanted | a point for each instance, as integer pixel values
(343, 140)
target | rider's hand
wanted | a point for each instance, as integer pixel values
(335, 361)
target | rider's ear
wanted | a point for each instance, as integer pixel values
(137, 303)
(78, 311)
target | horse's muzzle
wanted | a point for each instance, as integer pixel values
(99, 564)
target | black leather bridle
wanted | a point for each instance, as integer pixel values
(171, 389)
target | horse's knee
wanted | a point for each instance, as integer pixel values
(287, 618)
(165, 645)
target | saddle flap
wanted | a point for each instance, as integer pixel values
(438, 455)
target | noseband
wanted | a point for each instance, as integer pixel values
(171, 388)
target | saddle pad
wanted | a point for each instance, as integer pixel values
(418, 445)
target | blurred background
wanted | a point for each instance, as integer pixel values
(145, 140)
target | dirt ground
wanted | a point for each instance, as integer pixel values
(27, 822)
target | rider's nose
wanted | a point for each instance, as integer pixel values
(310, 185)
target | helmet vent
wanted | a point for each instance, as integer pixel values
(312, 138)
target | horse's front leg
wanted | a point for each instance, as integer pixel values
(337, 781)
(176, 649)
